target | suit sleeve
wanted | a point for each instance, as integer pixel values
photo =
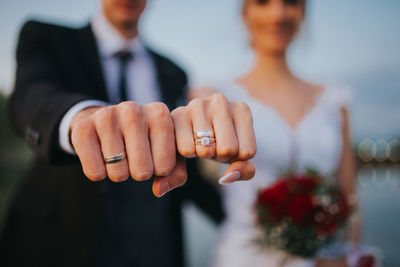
(40, 97)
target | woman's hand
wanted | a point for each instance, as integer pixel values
(231, 138)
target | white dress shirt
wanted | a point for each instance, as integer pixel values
(141, 74)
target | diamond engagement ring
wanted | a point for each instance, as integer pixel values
(114, 159)
(205, 141)
(204, 138)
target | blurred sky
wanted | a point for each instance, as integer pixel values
(354, 43)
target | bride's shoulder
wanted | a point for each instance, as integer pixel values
(339, 95)
(334, 93)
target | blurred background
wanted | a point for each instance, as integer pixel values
(354, 43)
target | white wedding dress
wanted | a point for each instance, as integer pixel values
(315, 142)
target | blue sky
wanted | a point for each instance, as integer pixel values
(350, 42)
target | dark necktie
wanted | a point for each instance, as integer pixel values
(124, 57)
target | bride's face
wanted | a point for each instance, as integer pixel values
(273, 24)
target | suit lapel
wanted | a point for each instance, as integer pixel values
(90, 58)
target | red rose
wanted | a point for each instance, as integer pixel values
(273, 199)
(300, 209)
(276, 193)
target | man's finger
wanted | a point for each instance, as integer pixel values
(111, 142)
(87, 146)
(162, 137)
(137, 144)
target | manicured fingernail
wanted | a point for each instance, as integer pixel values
(230, 178)
(164, 188)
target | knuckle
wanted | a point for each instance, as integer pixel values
(220, 105)
(104, 116)
(197, 103)
(117, 178)
(205, 153)
(95, 176)
(129, 109)
(187, 152)
(242, 108)
(142, 175)
(163, 171)
(228, 152)
(246, 154)
(160, 111)
(82, 130)
(118, 175)
(198, 106)
(104, 113)
(218, 98)
(178, 112)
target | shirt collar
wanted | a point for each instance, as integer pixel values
(110, 41)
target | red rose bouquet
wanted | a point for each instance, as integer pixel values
(300, 213)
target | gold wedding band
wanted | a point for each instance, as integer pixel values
(206, 133)
(114, 159)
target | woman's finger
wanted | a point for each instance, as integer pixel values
(202, 122)
(238, 171)
(243, 123)
(221, 116)
(184, 132)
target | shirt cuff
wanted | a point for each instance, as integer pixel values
(63, 131)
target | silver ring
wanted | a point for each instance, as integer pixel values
(204, 141)
(114, 159)
(206, 133)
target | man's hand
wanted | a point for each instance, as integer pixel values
(145, 133)
(232, 129)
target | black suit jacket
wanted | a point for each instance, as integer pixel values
(57, 216)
